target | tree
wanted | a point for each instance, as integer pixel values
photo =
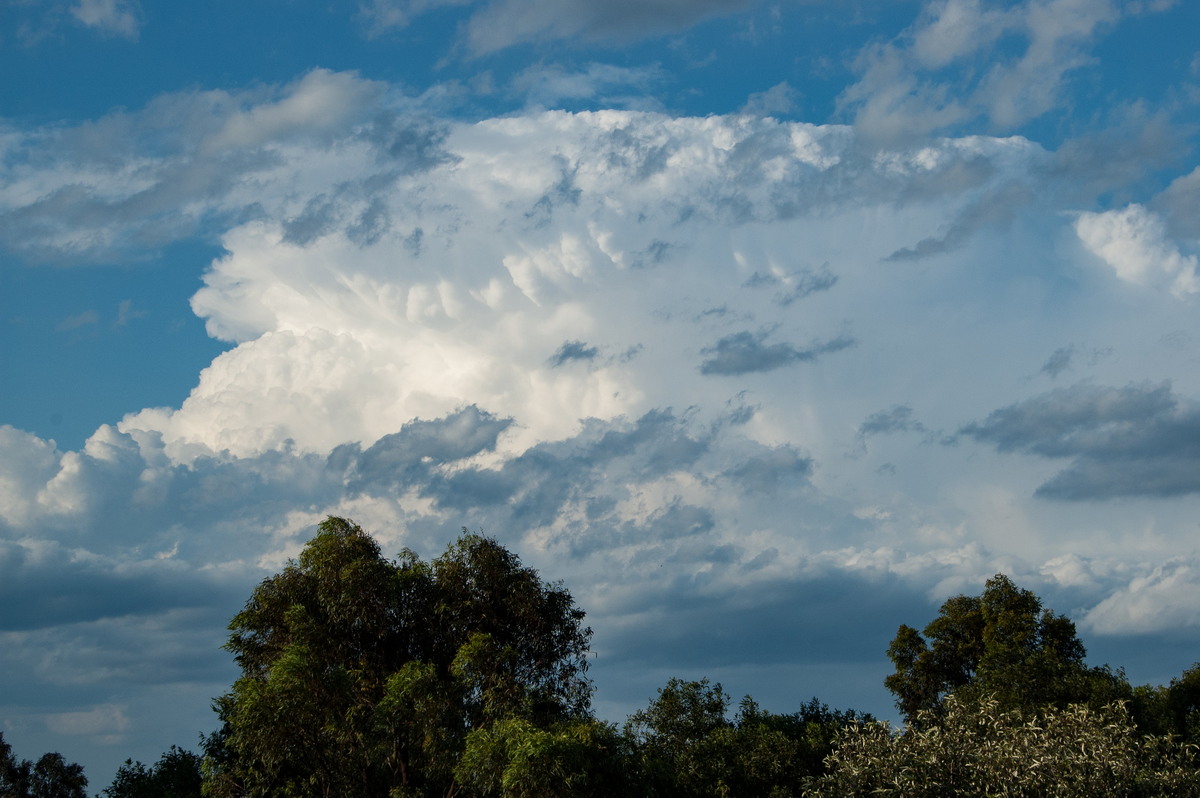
(50, 777)
(175, 775)
(54, 777)
(364, 676)
(1172, 710)
(1003, 644)
(15, 775)
(513, 758)
(688, 747)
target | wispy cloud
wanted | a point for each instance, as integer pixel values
(84, 319)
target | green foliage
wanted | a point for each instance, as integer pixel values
(688, 747)
(50, 777)
(175, 775)
(364, 676)
(577, 759)
(976, 748)
(1001, 644)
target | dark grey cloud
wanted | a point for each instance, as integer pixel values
(896, 419)
(49, 585)
(794, 286)
(573, 350)
(504, 23)
(562, 192)
(536, 485)
(1140, 440)
(746, 352)
(318, 218)
(996, 208)
(409, 144)
(791, 619)
(633, 150)
(408, 457)
(1058, 362)
(774, 467)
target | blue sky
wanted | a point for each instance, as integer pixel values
(764, 326)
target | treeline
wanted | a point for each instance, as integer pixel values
(466, 676)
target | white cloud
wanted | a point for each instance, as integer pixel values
(116, 17)
(1166, 599)
(1133, 242)
(108, 720)
(321, 102)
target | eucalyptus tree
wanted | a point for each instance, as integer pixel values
(1002, 644)
(364, 676)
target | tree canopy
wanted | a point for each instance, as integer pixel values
(50, 776)
(1001, 644)
(364, 676)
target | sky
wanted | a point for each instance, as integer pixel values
(765, 326)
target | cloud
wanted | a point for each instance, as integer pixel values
(126, 313)
(573, 350)
(84, 319)
(780, 99)
(499, 24)
(1058, 362)
(106, 719)
(1178, 201)
(746, 352)
(1140, 440)
(552, 85)
(963, 60)
(1133, 243)
(1164, 600)
(112, 17)
(505, 23)
(897, 419)
(792, 286)
(131, 182)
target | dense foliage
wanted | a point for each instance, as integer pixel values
(466, 676)
(363, 676)
(977, 748)
(50, 777)
(1003, 645)
(175, 775)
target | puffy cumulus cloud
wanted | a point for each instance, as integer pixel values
(966, 59)
(1140, 440)
(1164, 600)
(375, 289)
(1134, 242)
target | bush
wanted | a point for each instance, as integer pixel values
(976, 748)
